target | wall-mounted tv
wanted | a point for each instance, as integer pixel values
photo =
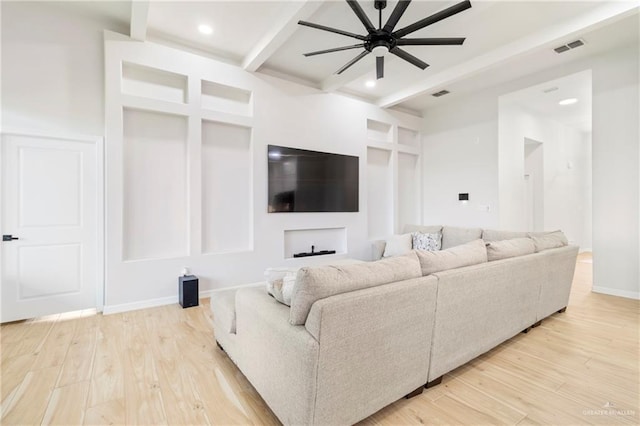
(311, 181)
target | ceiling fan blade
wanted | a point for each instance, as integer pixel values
(361, 15)
(397, 13)
(443, 14)
(353, 61)
(409, 57)
(379, 67)
(335, 49)
(331, 30)
(430, 41)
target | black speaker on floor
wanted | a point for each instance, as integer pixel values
(188, 285)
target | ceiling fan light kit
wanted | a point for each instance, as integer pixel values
(384, 40)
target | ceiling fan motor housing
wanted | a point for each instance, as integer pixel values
(377, 39)
(380, 4)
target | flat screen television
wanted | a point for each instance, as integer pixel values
(311, 181)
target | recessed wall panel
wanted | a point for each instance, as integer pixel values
(227, 190)
(153, 83)
(408, 137)
(379, 193)
(155, 205)
(408, 189)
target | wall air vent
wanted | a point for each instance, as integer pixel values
(568, 46)
(440, 93)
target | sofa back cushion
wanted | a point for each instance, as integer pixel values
(453, 236)
(315, 283)
(397, 245)
(471, 253)
(499, 235)
(513, 247)
(549, 240)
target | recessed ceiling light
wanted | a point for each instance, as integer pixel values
(568, 101)
(370, 83)
(205, 29)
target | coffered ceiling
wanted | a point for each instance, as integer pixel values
(264, 37)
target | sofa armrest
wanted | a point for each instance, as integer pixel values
(557, 268)
(377, 249)
(374, 347)
(279, 359)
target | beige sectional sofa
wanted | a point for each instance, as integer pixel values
(358, 337)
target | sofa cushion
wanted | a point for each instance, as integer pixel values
(320, 282)
(397, 245)
(471, 253)
(549, 240)
(499, 235)
(427, 229)
(453, 236)
(223, 307)
(426, 241)
(513, 247)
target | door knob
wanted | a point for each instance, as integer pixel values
(9, 238)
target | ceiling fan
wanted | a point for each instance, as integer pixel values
(384, 39)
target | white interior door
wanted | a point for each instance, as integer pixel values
(50, 252)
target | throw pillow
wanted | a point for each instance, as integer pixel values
(424, 241)
(549, 240)
(397, 245)
(505, 249)
(467, 254)
(320, 282)
(454, 236)
(280, 283)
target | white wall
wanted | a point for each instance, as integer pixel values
(450, 159)
(282, 113)
(52, 69)
(566, 173)
(460, 154)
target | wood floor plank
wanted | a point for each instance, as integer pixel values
(67, 405)
(31, 398)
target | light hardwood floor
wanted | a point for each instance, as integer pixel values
(161, 366)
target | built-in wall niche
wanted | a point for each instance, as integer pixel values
(301, 240)
(379, 131)
(379, 193)
(147, 82)
(227, 99)
(408, 137)
(155, 221)
(409, 200)
(227, 189)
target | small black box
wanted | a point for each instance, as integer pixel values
(188, 285)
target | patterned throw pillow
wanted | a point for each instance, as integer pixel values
(426, 242)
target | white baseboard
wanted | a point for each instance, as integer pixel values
(143, 304)
(161, 301)
(616, 292)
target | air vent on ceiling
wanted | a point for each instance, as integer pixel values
(550, 89)
(568, 46)
(440, 93)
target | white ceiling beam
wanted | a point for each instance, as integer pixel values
(592, 20)
(139, 19)
(279, 33)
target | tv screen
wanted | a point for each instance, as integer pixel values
(311, 181)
